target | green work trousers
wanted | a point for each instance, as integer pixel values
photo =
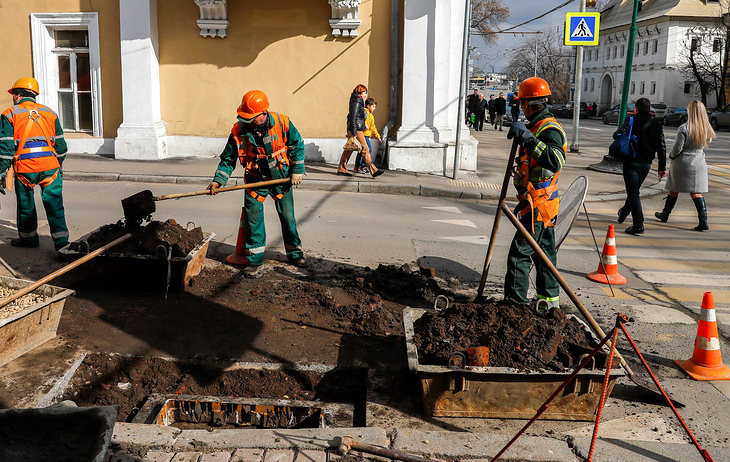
(52, 197)
(519, 262)
(256, 228)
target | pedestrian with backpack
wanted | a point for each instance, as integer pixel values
(649, 143)
(687, 166)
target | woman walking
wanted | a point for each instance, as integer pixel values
(687, 166)
(356, 127)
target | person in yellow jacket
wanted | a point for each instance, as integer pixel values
(371, 131)
(32, 143)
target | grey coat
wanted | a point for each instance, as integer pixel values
(687, 167)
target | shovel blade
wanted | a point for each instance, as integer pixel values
(138, 207)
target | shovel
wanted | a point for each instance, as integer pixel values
(141, 205)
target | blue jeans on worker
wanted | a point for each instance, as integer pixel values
(634, 176)
(359, 160)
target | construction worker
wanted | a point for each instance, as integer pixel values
(269, 147)
(543, 146)
(32, 143)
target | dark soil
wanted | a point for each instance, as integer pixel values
(517, 336)
(145, 239)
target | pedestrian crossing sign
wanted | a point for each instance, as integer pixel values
(582, 28)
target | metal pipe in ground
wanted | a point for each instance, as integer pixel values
(348, 443)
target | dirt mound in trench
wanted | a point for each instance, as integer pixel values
(145, 239)
(516, 336)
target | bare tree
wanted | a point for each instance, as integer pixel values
(486, 16)
(553, 63)
(701, 59)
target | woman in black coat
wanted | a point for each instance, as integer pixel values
(356, 128)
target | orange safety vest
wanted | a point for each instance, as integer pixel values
(34, 134)
(249, 154)
(540, 186)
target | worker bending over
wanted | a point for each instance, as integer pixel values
(269, 147)
(543, 145)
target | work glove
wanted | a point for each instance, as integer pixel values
(3, 180)
(296, 178)
(520, 133)
(213, 187)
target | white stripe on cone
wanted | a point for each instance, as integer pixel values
(609, 259)
(707, 315)
(708, 344)
(611, 241)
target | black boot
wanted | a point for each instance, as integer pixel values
(668, 206)
(701, 214)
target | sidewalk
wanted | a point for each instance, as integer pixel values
(485, 183)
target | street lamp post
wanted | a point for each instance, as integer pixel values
(574, 147)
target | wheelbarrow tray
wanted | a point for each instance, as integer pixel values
(146, 270)
(503, 392)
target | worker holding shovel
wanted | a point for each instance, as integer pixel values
(269, 147)
(543, 146)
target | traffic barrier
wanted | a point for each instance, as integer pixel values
(706, 362)
(607, 272)
(238, 257)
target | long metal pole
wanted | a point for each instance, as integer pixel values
(535, 74)
(574, 146)
(629, 64)
(462, 87)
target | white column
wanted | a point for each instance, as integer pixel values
(432, 43)
(142, 134)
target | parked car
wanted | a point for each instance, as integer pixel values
(676, 116)
(660, 109)
(720, 119)
(611, 116)
(567, 111)
(557, 109)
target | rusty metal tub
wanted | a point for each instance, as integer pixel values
(502, 392)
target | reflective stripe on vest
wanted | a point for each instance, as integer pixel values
(540, 185)
(34, 130)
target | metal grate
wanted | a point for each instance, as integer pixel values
(474, 184)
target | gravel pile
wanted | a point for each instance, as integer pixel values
(17, 305)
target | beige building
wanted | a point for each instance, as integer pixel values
(154, 79)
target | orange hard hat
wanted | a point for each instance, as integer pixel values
(26, 83)
(533, 87)
(253, 104)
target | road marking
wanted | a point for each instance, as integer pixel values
(675, 265)
(692, 294)
(658, 314)
(672, 245)
(469, 239)
(466, 223)
(444, 209)
(684, 279)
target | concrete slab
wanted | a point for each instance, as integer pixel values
(311, 455)
(436, 191)
(481, 445)
(221, 456)
(247, 455)
(400, 189)
(615, 450)
(279, 455)
(305, 438)
(150, 436)
(647, 426)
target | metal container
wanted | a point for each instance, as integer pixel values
(34, 325)
(503, 392)
(149, 270)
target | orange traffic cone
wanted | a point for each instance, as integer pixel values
(706, 362)
(607, 271)
(238, 257)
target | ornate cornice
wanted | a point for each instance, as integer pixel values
(212, 22)
(345, 17)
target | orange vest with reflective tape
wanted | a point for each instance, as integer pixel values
(34, 134)
(539, 185)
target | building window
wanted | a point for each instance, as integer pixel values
(593, 84)
(646, 48)
(653, 88)
(623, 50)
(687, 87)
(596, 55)
(716, 45)
(642, 88)
(637, 49)
(615, 52)
(633, 87)
(585, 84)
(655, 46)
(66, 61)
(695, 46)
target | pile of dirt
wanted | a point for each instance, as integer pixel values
(145, 239)
(516, 336)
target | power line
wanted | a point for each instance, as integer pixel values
(535, 18)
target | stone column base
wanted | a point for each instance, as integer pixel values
(141, 142)
(429, 157)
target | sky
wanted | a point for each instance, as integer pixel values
(519, 12)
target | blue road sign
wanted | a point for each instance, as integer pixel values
(582, 28)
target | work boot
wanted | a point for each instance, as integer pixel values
(19, 242)
(701, 214)
(668, 206)
(253, 271)
(300, 262)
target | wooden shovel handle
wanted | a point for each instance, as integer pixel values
(220, 190)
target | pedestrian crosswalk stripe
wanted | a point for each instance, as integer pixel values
(444, 209)
(672, 245)
(467, 223)
(675, 265)
(684, 279)
(694, 294)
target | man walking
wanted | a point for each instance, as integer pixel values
(490, 108)
(500, 109)
(543, 146)
(32, 146)
(479, 107)
(514, 105)
(269, 147)
(469, 103)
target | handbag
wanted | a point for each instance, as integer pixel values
(624, 146)
(352, 145)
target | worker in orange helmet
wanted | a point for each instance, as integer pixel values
(32, 143)
(269, 147)
(543, 147)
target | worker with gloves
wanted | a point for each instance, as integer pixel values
(269, 147)
(543, 146)
(32, 149)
